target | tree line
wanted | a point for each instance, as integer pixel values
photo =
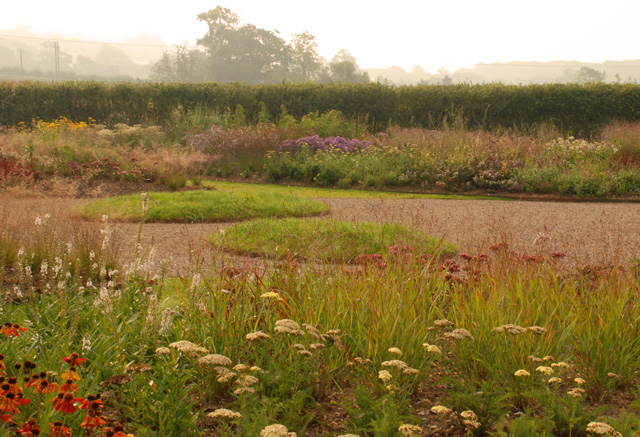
(233, 51)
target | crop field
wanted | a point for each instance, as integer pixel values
(303, 276)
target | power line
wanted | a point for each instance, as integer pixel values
(77, 41)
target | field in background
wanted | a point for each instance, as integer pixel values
(325, 150)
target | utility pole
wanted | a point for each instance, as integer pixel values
(21, 67)
(56, 46)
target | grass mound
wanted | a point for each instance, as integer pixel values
(201, 206)
(324, 239)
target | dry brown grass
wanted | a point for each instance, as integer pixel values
(594, 234)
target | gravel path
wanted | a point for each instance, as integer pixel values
(597, 234)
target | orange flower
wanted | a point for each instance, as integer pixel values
(34, 381)
(85, 404)
(64, 403)
(12, 330)
(5, 418)
(13, 386)
(116, 431)
(57, 430)
(9, 404)
(74, 360)
(48, 387)
(29, 426)
(94, 417)
(21, 400)
(71, 374)
(69, 386)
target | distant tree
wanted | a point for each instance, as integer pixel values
(183, 65)
(242, 53)
(586, 74)
(307, 63)
(86, 66)
(344, 68)
(8, 57)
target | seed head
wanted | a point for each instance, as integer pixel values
(215, 360)
(442, 323)
(432, 348)
(385, 376)
(439, 409)
(544, 370)
(256, 335)
(395, 363)
(223, 413)
(409, 430)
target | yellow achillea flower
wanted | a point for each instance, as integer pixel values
(602, 428)
(215, 360)
(432, 348)
(395, 350)
(458, 334)
(537, 329)
(409, 430)
(395, 363)
(442, 323)
(470, 420)
(385, 376)
(223, 413)
(511, 329)
(240, 367)
(243, 391)
(256, 335)
(522, 373)
(544, 370)
(576, 392)
(439, 409)
(312, 331)
(555, 380)
(276, 430)
(287, 326)
(579, 381)
(271, 295)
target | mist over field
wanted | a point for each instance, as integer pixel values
(224, 45)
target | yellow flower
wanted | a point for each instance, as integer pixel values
(579, 381)
(439, 409)
(271, 295)
(432, 348)
(223, 413)
(395, 350)
(409, 430)
(385, 376)
(522, 373)
(395, 363)
(544, 370)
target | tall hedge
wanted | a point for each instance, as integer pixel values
(575, 109)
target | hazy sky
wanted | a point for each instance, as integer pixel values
(432, 34)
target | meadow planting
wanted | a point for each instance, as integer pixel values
(305, 324)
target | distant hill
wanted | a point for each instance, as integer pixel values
(511, 73)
